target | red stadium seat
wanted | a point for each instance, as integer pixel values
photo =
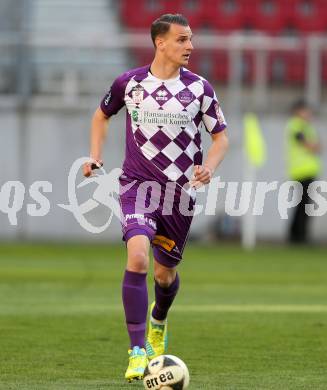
(173, 6)
(202, 63)
(309, 15)
(142, 57)
(195, 61)
(324, 66)
(287, 67)
(271, 16)
(248, 67)
(129, 16)
(141, 13)
(222, 62)
(193, 10)
(221, 69)
(227, 15)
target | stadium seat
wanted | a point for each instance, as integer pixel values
(287, 67)
(324, 67)
(142, 57)
(227, 15)
(248, 66)
(221, 69)
(271, 16)
(141, 13)
(309, 15)
(195, 12)
(202, 63)
(149, 10)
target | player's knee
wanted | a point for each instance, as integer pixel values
(165, 279)
(138, 262)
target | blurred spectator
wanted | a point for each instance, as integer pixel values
(303, 164)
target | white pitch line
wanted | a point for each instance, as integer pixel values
(219, 308)
(269, 308)
(237, 308)
(245, 308)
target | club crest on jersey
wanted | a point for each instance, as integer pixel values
(162, 95)
(137, 95)
(185, 96)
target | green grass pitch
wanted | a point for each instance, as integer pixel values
(241, 321)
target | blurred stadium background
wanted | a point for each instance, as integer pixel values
(258, 319)
(59, 57)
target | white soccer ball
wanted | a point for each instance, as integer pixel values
(166, 372)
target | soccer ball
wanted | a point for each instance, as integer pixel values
(166, 372)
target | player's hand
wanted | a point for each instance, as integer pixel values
(201, 175)
(90, 165)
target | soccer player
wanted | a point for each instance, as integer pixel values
(166, 105)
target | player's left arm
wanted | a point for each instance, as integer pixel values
(216, 153)
(215, 124)
(313, 147)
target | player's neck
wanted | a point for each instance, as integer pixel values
(164, 70)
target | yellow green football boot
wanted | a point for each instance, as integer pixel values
(137, 364)
(157, 339)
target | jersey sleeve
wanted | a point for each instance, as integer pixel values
(113, 101)
(212, 114)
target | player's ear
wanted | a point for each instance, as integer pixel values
(160, 42)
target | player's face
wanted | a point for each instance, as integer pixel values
(305, 113)
(176, 44)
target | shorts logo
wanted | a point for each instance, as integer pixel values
(162, 95)
(164, 242)
(137, 95)
(141, 219)
(185, 96)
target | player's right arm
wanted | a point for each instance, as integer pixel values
(111, 103)
(99, 127)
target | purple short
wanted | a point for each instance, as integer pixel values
(161, 212)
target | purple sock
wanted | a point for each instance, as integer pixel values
(135, 299)
(164, 299)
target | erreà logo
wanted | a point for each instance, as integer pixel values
(162, 95)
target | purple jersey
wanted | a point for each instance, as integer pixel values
(163, 121)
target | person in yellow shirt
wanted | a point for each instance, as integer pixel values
(303, 164)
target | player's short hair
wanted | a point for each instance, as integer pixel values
(162, 25)
(300, 104)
